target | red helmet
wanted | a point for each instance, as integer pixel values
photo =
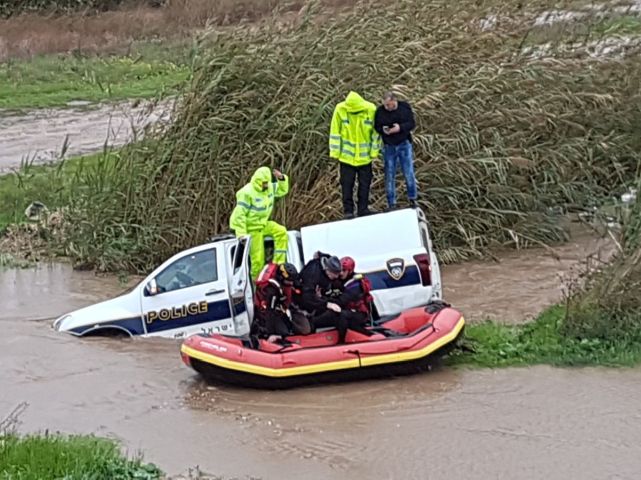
(348, 264)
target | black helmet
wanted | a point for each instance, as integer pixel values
(288, 272)
(333, 264)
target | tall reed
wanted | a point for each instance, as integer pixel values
(604, 303)
(500, 138)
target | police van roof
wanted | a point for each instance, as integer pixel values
(373, 235)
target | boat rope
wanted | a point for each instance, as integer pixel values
(358, 354)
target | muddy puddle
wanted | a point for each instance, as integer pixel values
(513, 423)
(38, 136)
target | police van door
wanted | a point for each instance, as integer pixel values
(437, 288)
(241, 288)
(187, 296)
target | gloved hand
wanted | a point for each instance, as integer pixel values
(332, 306)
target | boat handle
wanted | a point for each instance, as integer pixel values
(214, 291)
(358, 353)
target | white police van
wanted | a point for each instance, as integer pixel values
(207, 289)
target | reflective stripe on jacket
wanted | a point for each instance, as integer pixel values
(352, 137)
(253, 205)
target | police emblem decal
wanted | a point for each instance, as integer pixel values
(396, 268)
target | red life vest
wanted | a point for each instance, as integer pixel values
(266, 277)
(362, 304)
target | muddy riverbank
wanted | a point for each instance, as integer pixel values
(513, 423)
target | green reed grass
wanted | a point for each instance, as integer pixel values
(542, 341)
(40, 457)
(500, 137)
(604, 303)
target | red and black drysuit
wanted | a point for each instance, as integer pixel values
(354, 303)
(271, 305)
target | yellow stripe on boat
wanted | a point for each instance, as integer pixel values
(328, 366)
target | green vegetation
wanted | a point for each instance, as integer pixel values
(55, 80)
(619, 25)
(599, 323)
(605, 304)
(40, 457)
(204, 11)
(10, 261)
(24, 240)
(500, 139)
(46, 456)
(49, 184)
(543, 341)
(14, 7)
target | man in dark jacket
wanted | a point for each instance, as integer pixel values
(394, 120)
(354, 301)
(315, 284)
(348, 292)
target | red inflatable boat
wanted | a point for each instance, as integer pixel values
(402, 345)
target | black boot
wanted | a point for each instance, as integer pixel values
(365, 213)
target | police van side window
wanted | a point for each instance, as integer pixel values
(426, 242)
(189, 271)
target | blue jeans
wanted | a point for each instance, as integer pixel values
(403, 155)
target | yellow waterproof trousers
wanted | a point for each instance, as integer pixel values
(257, 247)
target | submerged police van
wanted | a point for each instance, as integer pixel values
(207, 289)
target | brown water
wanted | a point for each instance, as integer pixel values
(523, 283)
(38, 135)
(513, 423)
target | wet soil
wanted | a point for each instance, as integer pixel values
(38, 136)
(450, 423)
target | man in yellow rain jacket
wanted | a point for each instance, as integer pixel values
(254, 205)
(354, 143)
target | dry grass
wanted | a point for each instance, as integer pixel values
(34, 34)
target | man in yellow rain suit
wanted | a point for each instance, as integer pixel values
(355, 143)
(254, 205)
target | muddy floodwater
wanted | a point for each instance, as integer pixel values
(38, 135)
(521, 284)
(520, 423)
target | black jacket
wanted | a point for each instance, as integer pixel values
(403, 115)
(350, 294)
(312, 282)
